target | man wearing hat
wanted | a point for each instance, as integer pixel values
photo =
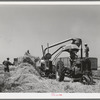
(86, 50)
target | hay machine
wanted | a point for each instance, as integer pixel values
(80, 67)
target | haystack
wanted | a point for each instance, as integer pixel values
(25, 77)
(28, 59)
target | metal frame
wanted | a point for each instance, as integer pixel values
(48, 47)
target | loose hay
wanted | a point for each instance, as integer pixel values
(23, 78)
(26, 78)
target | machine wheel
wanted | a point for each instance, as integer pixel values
(85, 80)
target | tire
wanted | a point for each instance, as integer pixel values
(86, 80)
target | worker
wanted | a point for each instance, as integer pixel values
(6, 65)
(60, 64)
(59, 67)
(27, 52)
(73, 56)
(86, 50)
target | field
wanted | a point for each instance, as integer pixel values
(25, 79)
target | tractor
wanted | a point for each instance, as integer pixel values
(80, 67)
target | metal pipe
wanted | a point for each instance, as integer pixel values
(48, 47)
(81, 50)
(57, 44)
(42, 50)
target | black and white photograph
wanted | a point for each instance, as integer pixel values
(49, 48)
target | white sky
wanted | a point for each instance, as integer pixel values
(27, 27)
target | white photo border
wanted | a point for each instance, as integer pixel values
(50, 95)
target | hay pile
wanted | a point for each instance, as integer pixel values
(24, 77)
(80, 88)
(55, 86)
(28, 59)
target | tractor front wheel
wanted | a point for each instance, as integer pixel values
(85, 80)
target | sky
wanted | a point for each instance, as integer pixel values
(27, 27)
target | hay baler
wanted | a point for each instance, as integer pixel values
(80, 68)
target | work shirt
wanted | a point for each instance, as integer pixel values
(87, 51)
(60, 65)
(7, 63)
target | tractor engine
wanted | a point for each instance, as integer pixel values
(46, 67)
